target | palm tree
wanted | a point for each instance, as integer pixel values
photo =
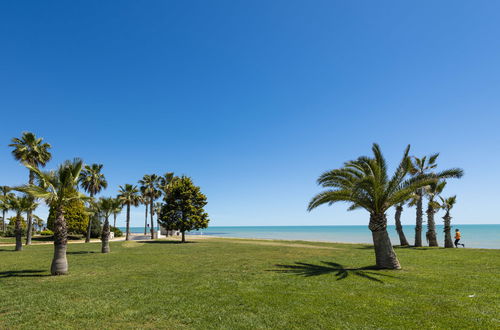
(20, 205)
(365, 184)
(447, 204)
(421, 166)
(106, 207)
(117, 208)
(31, 151)
(128, 195)
(399, 228)
(37, 222)
(92, 181)
(150, 183)
(157, 208)
(4, 202)
(58, 188)
(145, 201)
(433, 191)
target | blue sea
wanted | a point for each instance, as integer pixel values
(473, 236)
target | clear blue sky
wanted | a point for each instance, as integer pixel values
(254, 99)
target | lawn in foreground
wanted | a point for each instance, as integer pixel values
(225, 283)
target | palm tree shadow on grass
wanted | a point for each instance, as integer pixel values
(23, 273)
(80, 252)
(340, 272)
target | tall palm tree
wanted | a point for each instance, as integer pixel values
(421, 166)
(106, 208)
(150, 183)
(447, 204)
(92, 181)
(117, 208)
(157, 208)
(145, 201)
(399, 228)
(128, 195)
(364, 183)
(4, 202)
(432, 192)
(32, 151)
(57, 189)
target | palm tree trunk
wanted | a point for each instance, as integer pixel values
(28, 214)
(18, 230)
(127, 235)
(114, 220)
(146, 220)
(59, 262)
(399, 227)
(418, 225)
(89, 227)
(431, 227)
(384, 252)
(151, 213)
(448, 243)
(183, 236)
(105, 236)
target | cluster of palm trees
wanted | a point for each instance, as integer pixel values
(59, 187)
(366, 184)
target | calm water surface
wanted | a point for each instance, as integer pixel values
(474, 236)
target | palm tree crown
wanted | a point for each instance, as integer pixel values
(92, 180)
(31, 150)
(56, 187)
(22, 204)
(365, 184)
(128, 195)
(448, 203)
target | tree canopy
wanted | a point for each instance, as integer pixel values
(183, 207)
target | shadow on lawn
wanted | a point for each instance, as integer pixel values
(23, 273)
(305, 269)
(80, 252)
(166, 242)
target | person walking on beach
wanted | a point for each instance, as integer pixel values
(457, 238)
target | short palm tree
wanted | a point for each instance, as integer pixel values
(4, 202)
(32, 151)
(20, 205)
(92, 181)
(128, 195)
(117, 208)
(399, 228)
(447, 204)
(106, 208)
(57, 189)
(364, 183)
(149, 183)
(432, 192)
(421, 166)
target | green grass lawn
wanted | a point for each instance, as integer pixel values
(224, 283)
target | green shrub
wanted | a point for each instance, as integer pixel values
(47, 232)
(77, 219)
(118, 232)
